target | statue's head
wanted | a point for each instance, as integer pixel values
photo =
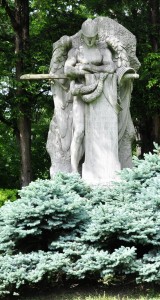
(89, 32)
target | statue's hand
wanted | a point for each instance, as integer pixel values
(91, 68)
(80, 69)
(88, 68)
(110, 68)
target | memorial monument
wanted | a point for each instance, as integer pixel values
(92, 131)
(92, 74)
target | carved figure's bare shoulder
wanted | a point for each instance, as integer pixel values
(72, 53)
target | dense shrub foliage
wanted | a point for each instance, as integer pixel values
(7, 194)
(62, 228)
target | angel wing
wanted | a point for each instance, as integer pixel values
(59, 54)
(60, 90)
(120, 57)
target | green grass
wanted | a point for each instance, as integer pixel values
(90, 297)
(92, 293)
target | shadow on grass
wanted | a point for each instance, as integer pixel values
(92, 291)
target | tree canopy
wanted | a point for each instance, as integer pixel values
(27, 31)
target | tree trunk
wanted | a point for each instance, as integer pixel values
(19, 17)
(154, 14)
(150, 129)
(146, 135)
(24, 127)
(24, 122)
(154, 17)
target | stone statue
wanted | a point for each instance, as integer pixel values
(91, 131)
(60, 132)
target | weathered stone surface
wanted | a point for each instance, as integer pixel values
(92, 119)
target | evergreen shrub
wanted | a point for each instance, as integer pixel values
(7, 194)
(64, 229)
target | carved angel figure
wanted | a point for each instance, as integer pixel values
(60, 132)
(99, 79)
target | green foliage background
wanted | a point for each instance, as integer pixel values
(49, 20)
(7, 195)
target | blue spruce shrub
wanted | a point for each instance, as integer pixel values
(47, 211)
(128, 218)
(63, 228)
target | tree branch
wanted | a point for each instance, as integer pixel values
(10, 12)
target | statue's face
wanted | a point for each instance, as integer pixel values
(90, 41)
